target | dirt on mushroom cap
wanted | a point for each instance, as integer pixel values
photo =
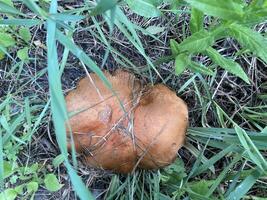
(147, 133)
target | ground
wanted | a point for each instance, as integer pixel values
(214, 103)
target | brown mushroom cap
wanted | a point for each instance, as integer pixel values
(160, 124)
(104, 132)
(97, 126)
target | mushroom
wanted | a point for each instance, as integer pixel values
(131, 126)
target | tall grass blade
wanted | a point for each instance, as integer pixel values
(58, 107)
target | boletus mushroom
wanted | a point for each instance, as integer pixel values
(131, 127)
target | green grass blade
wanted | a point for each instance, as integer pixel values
(21, 22)
(1, 161)
(58, 107)
(251, 149)
(245, 185)
(35, 8)
(66, 17)
(222, 175)
(63, 39)
(5, 8)
(213, 160)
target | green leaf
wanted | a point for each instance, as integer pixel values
(227, 9)
(6, 40)
(250, 39)
(196, 20)
(144, 8)
(58, 160)
(25, 34)
(227, 64)
(32, 169)
(174, 47)
(155, 29)
(8, 194)
(199, 68)
(180, 63)
(201, 187)
(174, 173)
(8, 171)
(2, 55)
(19, 189)
(32, 186)
(51, 183)
(196, 43)
(23, 54)
(103, 6)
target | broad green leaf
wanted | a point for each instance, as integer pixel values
(174, 47)
(51, 183)
(19, 189)
(155, 29)
(200, 187)
(8, 194)
(227, 64)
(32, 186)
(25, 34)
(144, 8)
(226, 9)
(23, 54)
(8, 169)
(196, 20)
(6, 40)
(103, 6)
(199, 68)
(180, 63)
(250, 39)
(32, 169)
(196, 43)
(174, 173)
(255, 16)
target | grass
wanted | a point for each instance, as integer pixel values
(212, 54)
